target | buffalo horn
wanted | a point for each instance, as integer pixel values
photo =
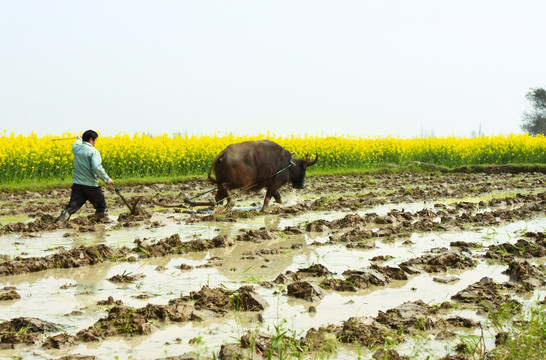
(306, 163)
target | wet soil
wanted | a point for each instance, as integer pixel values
(419, 254)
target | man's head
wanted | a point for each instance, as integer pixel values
(90, 136)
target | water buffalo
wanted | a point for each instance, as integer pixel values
(257, 164)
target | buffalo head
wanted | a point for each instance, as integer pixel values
(297, 170)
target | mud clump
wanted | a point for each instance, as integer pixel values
(45, 222)
(286, 278)
(408, 317)
(261, 342)
(184, 267)
(388, 354)
(391, 272)
(121, 320)
(539, 236)
(248, 300)
(367, 331)
(267, 251)
(363, 279)
(8, 293)
(339, 285)
(484, 294)
(530, 276)
(323, 338)
(174, 311)
(77, 357)
(24, 330)
(464, 245)
(349, 221)
(367, 245)
(356, 235)
(255, 345)
(134, 218)
(216, 300)
(77, 257)
(256, 235)
(485, 289)
(291, 230)
(318, 226)
(522, 248)
(174, 245)
(127, 321)
(315, 270)
(305, 290)
(140, 215)
(125, 278)
(110, 301)
(91, 255)
(459, 321)
(170, 245)
(233, 351)
(445, 279)
(441, 262)
(60, 341)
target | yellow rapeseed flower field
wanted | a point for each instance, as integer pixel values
(140, 155)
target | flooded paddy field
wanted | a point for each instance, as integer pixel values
(352, 266)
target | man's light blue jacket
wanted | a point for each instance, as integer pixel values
(87, 164)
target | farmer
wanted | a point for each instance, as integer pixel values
(87, 170)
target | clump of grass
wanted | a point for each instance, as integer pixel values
(284, 344)
(471, 345)
(526, 339)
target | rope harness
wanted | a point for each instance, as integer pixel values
(188, 201)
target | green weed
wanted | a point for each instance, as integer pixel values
(526, 338)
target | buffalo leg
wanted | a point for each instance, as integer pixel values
(224, 193)
(268, 196)
(266, 202)
(230, 201)
(221, 195)
(277, 197)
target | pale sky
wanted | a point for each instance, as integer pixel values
(364, 68)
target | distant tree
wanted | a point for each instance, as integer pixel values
(534, 121)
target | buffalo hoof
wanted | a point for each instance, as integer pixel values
(222, 209)
(268, 210)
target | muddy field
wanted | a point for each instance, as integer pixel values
(369, 266)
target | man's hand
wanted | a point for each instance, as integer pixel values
(110, 182)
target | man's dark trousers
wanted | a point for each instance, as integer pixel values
(82, 193)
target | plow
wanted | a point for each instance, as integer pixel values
(133, 206)
(188, 202)
(135, 209)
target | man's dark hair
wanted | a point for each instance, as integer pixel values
(89, 134)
